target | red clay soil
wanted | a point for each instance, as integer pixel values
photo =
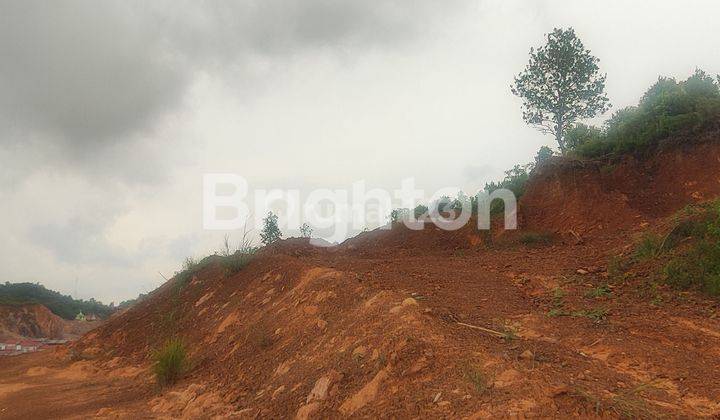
(589, 196)
(37, 321)
(380, 328)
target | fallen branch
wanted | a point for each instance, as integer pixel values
(483, 329)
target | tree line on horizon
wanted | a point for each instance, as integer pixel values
(64, 306)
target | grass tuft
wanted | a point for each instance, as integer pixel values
(170, 362)
(473, 374)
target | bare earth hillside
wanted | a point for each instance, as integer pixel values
(427, 324)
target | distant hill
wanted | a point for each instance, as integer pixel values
(18, 322)
(66, 307)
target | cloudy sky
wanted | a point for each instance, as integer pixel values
(111, 112)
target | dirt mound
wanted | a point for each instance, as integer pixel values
(594, 196)
(276, 333)
(37, 321)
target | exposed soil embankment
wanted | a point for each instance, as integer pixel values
(593, 196)
(37, 321)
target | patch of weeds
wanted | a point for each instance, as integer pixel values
(596, 314)
(191, 267)
(236, 262)
(459, 253)
(473, 374)
(558, 303)
(536, 238)
(170, 362)
(649, 247)
(598, 292)
(555, 312)
(698, 266)
(628, 404)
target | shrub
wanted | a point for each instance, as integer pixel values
(271, 231)
(420, 211)
(667, 108)
(699, 264)
(398, 215)
(543, 154)
(649, 247)
(305, 230)
(190, 264)
(170, 362)
(515, 180)
(580, 134)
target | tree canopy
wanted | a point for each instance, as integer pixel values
(270, 231)
(561, 85)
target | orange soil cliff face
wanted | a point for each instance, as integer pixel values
(37, 321)
(593, 196)
(34, 321)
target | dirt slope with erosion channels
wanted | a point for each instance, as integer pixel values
(477, 331)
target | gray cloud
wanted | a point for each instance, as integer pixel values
(79, 241)
(86, 75)
(82, 73)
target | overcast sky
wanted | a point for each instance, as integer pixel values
(112, 111)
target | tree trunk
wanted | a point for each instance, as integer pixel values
(559, 135)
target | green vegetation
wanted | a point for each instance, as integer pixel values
(561, 85)
(667, 108)
(698, 264)
(61, 305)
(474, 374)
(595, 314)
(599, 292)
(558, 307)
(543, 154)
(190, 268)
(649, 246)
(271, 231)
(170, 362)
(689, 253)
(306, 231)
(398, 215)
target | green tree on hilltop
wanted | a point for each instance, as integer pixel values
(561, 85)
